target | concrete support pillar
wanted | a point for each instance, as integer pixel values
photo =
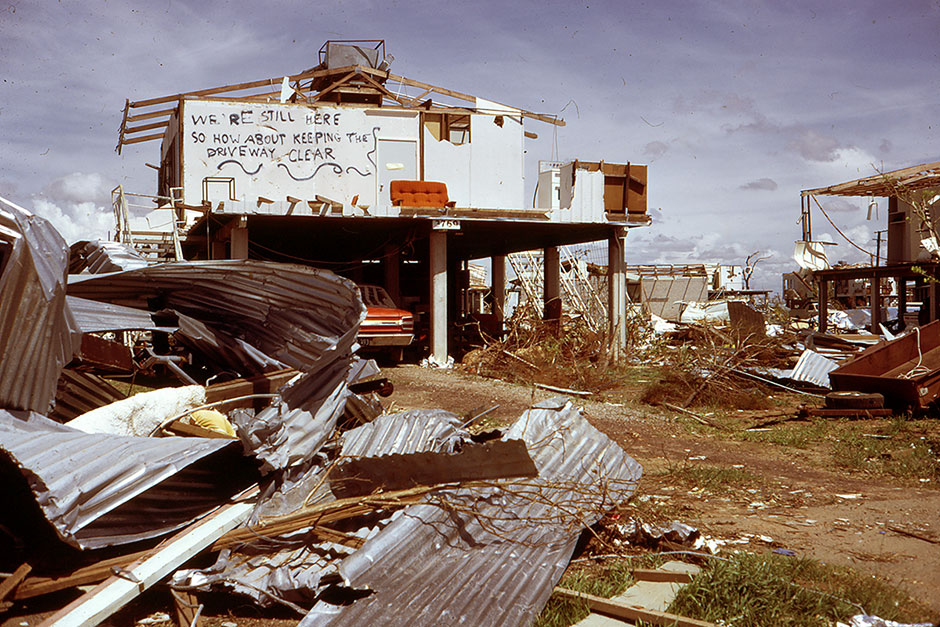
(616, 294)
(552, 285)
(239, 241)
(438, 255)
(499, 289)
(392, 268)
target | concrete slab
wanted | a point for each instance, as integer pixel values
(653, 595)
(657, 595)
(598, 620)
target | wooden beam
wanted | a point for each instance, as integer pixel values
(146, 127)
(10, 583)
(145, 138)
(119, 589)
(649, 574)
(152, 114)
(618, 609)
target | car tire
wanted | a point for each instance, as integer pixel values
(854, 400)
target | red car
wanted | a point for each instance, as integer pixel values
(386, 329)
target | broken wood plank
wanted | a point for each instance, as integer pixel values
(701, 419)
(648, 574)
(10, 583)
(195, 431)
(126, 584)
(497, 459)
(616, 609)
(903, 532)
(552, 388)
(187, 606)
(315, 516)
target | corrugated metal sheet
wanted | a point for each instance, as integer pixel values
(295, 314)
(291, 431)
(224, 352)
(490, 556)
(101, 490)
(35, 325)
(405, 432)
(92, 316)
(102, 256)
(813, 368)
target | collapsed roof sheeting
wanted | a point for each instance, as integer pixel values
(223, 351)
(100, 490)
(292, 429)
(92, 316)
(100, 256)
(491, 555)
(406, 432)
(35, 325)
(292, 313)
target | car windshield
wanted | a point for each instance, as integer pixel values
(375, 296)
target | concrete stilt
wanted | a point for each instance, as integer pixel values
(552, 285)
(616, 293)
(438, 254)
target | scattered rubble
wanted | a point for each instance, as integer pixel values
(318, 502)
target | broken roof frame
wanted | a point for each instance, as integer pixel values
(915, 177)
(303, 90)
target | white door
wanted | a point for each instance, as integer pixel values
(398, 159)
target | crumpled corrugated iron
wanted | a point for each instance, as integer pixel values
(36, 327)
(295, 314)
(490, 556)
(100, 490)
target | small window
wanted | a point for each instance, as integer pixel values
(452, 127)
(458, 128)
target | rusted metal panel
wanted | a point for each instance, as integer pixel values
(905, 370)
(103, 355)
(499, 459)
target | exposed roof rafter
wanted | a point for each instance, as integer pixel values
(913, 178)
(269, 90)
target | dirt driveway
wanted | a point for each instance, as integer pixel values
(789, 498)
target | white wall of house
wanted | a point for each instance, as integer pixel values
(497, 158)
(274, 150)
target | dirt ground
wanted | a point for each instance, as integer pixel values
(798, 501)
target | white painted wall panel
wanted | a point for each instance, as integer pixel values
(279, 150)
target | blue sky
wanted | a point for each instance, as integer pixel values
(736, 106)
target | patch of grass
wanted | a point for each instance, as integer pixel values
(794, 435)
(714, 479)
(899, 450)
(759, 590)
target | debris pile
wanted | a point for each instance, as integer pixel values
(317, 502)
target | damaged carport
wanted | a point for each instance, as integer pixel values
(480, 535)
(421, 256)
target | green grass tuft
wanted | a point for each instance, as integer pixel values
(770, 590)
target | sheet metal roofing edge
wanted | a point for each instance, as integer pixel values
(92, 316)
(498, 564)
(78, 479)
(292, 313)
(35, 326)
